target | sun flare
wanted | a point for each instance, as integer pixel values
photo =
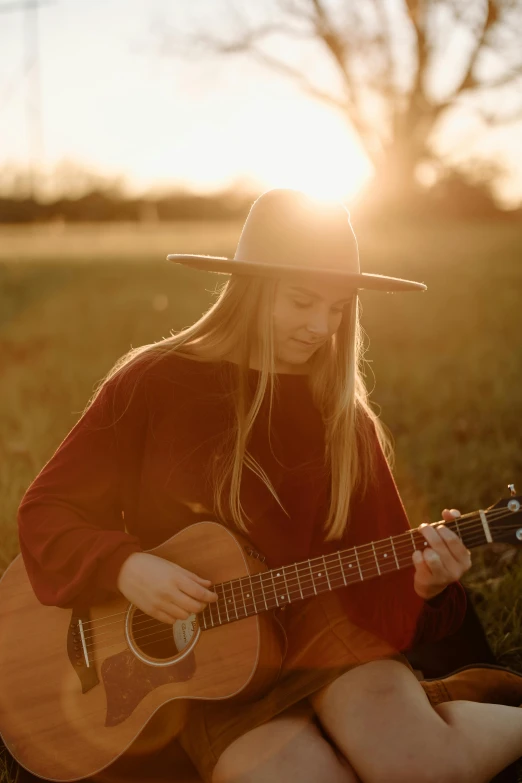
(315, 152)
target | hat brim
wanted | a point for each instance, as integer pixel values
(228, 266)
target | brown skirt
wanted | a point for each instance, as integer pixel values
(322, 644)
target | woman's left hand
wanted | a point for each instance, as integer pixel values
(443, 561)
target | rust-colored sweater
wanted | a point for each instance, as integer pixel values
(136, 469)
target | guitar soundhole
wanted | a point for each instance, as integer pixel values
(154, 639)
(157, 642)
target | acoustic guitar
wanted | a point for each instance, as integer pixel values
(79, 686)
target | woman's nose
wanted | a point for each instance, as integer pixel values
(318, 323)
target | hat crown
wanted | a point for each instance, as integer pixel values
(287, 233)
(288, 228)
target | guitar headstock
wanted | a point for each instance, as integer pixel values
(505, 518)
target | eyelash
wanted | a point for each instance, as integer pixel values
(302, 305)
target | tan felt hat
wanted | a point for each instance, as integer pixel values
(288, 233)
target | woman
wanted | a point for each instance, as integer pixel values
(257, 416)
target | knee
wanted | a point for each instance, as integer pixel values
(383, 676)
(371, 682)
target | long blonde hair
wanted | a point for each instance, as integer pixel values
(240, 316)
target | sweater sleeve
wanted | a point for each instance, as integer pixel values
(389, 605)
(70, 521)
(442, 615)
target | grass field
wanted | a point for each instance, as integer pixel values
(446, 364)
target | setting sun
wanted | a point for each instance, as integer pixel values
(315, 152)
(287, 142)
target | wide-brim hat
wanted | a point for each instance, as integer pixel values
(287, 233)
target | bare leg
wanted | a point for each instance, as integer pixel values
(380, 718)
(491, 735)
(287, 749)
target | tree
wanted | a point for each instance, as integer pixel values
(394, 68)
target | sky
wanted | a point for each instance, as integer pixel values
(113, 103)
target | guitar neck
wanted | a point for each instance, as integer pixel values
(260, 592)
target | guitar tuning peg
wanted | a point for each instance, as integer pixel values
(512, 489)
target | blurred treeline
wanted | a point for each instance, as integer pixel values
(81, 196)
(98, 205)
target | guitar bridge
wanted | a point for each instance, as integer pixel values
(78, 637)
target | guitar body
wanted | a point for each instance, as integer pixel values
(64, 720)
(78, 688)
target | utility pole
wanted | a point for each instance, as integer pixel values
(34, 106)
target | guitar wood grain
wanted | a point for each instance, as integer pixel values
(57, 732)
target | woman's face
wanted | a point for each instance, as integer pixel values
(306, 314)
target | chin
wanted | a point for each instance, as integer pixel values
(296, 358)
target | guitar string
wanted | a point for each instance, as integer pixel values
(287, 581)
(306, 584)
(262, 585)
(165, 633)
(257, 588)
(267, 599)
(364, 557)
(365, 551)
(168, 628)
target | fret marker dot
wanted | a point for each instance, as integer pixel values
(319, 574)
(229, 601)
(283, 597)
(248, 595)
(278, 574)
(350, 565)
(385, 554)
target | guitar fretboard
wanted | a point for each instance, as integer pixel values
(277, 587)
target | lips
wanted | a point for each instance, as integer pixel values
(303, 342)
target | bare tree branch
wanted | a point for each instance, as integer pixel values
(367, 42)
(249, 38)
(505, 80)
(494, 119)
(416, 18)
(324, 31)
(365, 132)
(469, 80)
(299, 77)
(295, 10)
(385, 40)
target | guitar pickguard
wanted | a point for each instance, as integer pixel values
(127, 680)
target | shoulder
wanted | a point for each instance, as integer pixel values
(144, 381)
(160, 373)
(157, 363)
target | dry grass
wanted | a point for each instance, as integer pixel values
(122, 242)
(448, 363)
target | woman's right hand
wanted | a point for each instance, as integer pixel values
(162, 589)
